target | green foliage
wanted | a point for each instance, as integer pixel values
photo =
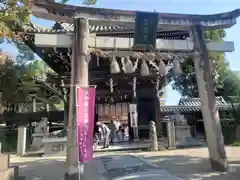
(63, 1)
(85, 2)
(16, 82)
(89, 2)
(25, 54)
(186, 83)
(236, 143)
(231, 86)
(229, 131)
(13, 14)
(8, 138)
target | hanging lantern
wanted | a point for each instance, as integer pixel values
(114, 67)
(162, 68)
(176, 68)
(144, 71)
(129, 69)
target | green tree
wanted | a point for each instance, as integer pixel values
(17, 85)
(86, 2)
(186, 83)
(13, 14)
(231, 86)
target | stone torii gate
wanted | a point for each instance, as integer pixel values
(195, 24)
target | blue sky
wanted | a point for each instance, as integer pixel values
(170, 6)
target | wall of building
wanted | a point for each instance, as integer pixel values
(107, 112)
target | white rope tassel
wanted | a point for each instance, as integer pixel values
(176, 68)
(123, 64)
(162, 68)
(144, 71)
(129, 66)
(135, 65)
(114, 67)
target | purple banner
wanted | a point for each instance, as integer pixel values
(85, 122)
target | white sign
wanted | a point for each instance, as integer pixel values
(133, 115)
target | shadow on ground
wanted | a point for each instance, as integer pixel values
(193, 168)
(42, 169)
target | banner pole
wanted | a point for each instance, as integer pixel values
(79, 118)
(76, 135)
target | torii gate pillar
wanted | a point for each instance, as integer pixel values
(79, 76)
(204, 75)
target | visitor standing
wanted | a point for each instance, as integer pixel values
(113, 128)
(106, 133)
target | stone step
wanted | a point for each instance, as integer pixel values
(15, 170)
(11, 173)
(5, 161)
(7, 174)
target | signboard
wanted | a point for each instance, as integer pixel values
(133, 115)
(85, 98)
(146, 26)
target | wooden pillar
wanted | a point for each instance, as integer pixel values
(171, 134)
(21, 142)
(34, 104)
(134, 101)
(47, 107)
(66, 114)
(204, 75)
(79, 76)
(158, 117)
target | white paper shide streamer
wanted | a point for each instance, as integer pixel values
(129, 69)
(144, 71)
(162, 68)
(176, 68)
(114, 67)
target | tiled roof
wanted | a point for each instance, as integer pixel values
(65, 27)
(187, 105)
(196, 101)
(188, 109)
(181, 109)
(105, 30)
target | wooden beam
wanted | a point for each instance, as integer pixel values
(126, 44)
(122, 92)
(48, 9)
(98, 76)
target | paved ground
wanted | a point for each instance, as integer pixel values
(123, 167)
(40, 168)
(193, 164)
(104, 167)
(51, 168)
(144, 144)
(188, 164)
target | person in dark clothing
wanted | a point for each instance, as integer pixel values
(122, 129)
(130, 130)
(96, 133)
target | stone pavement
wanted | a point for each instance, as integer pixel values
(193, 163)
(123, 167)
(188, 164)
(50, 168)
(144, 145)
(103, 167)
